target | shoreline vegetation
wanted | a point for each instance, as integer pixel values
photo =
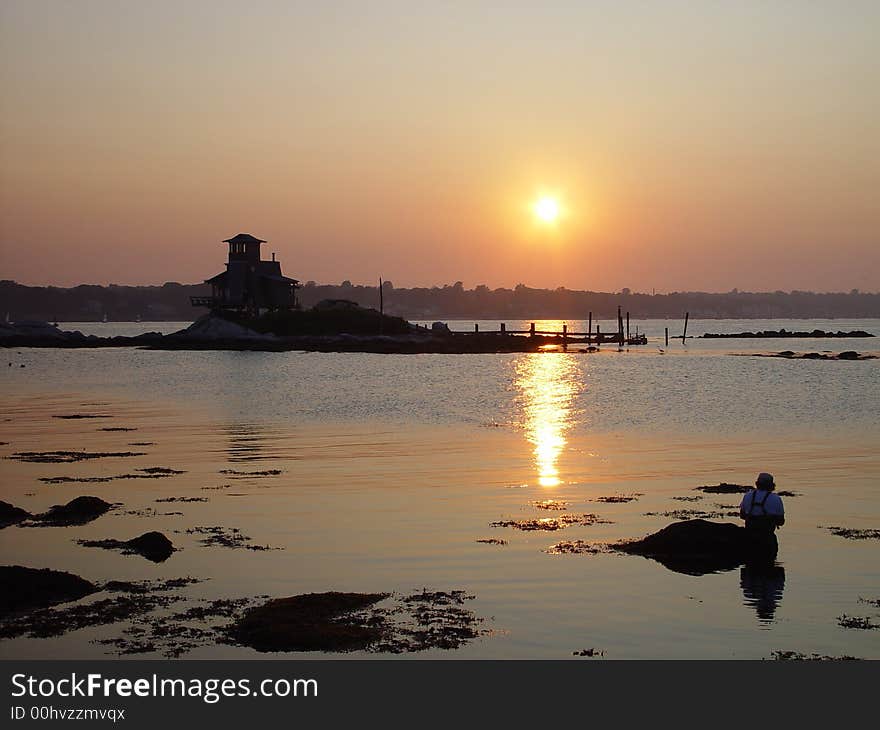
(170, 302)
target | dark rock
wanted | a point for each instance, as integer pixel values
(10, 514)
(724, 488)
(22, 589)
(151, 545)
(310, 622)
(848, 355)
(698, 546)
(78, 511)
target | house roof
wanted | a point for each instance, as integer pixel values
(244, 238)
(274, 277)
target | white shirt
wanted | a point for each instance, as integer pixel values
(772, 503)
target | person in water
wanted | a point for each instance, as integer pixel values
(762, 510)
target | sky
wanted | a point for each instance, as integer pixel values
(686, 145)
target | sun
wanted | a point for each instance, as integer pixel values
(546, 209)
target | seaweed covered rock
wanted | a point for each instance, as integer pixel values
(78, 511)
(10, 514)
(151, 545)
(22, 588)
(310, 622)
(698, 546)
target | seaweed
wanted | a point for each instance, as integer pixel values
(857, 622)
(591, 652)
(552, 523)
(785, 656)
(578, 547)
(69, 457)
(619, 498)
(551, 504)
(78, 416)
(851, 533)
(226, 537)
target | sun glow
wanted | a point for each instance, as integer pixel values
(546, 209)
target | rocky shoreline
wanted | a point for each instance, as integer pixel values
(214, 333)
(785, 333)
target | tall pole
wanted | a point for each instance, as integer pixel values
(684, 333)
(381, 305)
(590, 329)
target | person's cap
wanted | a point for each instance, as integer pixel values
(764, 480)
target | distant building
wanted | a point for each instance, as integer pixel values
(249, 284)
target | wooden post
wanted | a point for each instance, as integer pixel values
(503, 328)
(476, 327)
(627, 326)
(564, 335)
(667, 336)
(381, 305)
(532, 329)
(684, 333)
(590, 328)
(619, 327)
(598, 335)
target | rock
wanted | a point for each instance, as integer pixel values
(848, 355)
(724, 488)
(78, 511)
(22, 589)
(310, 622)
(440, 328)
(698, 546)
(151, 545)
(10, 514)
(213, 328)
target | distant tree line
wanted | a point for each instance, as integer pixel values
(170, 302)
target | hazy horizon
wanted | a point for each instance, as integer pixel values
(681, 147)
(471, 287)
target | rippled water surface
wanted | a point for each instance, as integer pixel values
(392, 467)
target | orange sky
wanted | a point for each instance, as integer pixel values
(691, 145)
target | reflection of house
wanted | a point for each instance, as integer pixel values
(249, 284)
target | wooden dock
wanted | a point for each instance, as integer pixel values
(622, 337)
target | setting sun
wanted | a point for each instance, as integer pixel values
(546, 209)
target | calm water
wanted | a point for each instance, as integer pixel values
(393, 466)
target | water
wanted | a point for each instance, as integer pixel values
(393, 466)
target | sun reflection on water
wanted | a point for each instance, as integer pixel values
(548, 384)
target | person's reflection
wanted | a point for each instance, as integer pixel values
(763, 583)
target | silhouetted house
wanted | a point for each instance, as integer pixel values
(249, 284)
